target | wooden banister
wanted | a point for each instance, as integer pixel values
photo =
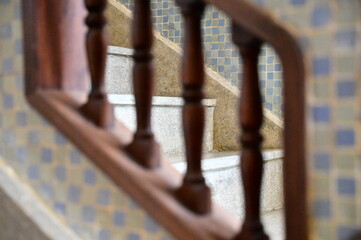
(144, 148)
(97, 108)
(251, 119)
(194, 192)
(152, 181)
(261, 25)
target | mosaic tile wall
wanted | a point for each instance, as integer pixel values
(220, 54)
(328, 31)
(63, 178)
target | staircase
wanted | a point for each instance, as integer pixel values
(221, 169)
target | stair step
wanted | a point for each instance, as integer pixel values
(222, 174)
(273, 223)
(119, 71)
(166, 120)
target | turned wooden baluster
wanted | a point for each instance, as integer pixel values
(194, 193)
(97, 108)
(251, 119)
(144, 148)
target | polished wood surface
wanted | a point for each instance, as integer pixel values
(161, 189)
(144, 149)
(152, 190)
(251, 119)
(194, 193)
(97, 108)
(259, 23)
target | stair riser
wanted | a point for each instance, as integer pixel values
(226, 183)
(119, 71)
(167, 124)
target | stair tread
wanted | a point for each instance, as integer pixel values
(211, 161)
(274, 224)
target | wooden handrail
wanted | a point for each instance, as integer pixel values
(97, 108)
(144, 148)
(194, 192)
(152, 181)
(251, 119)
(260, 24)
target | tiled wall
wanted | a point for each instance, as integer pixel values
(63, 178)
(220, 54)
(328, 31)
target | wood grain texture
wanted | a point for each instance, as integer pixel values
(54, 49)
(259, 23)
(250, 119)
(97, 109)
(144, 149)
(153, 190)
(194, 192)
(55, 59)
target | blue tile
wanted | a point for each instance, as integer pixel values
(8, 101)
(322, 209)
(88, 214)
(47, 191)
(277, 100)
(269, 91)
(8, 66)
(33, 137)
(5, 31)
(347, 232)
(75, 157)
(321, 114)
(119, 219)
(321, 66)
(60, 139)
(298, 2)
(215, 15)
(17, 11)
(221, 22)
(89, 177)
(150, 225)
(278, 67)
(277, 83)
(270, 75)
(345, 137)
(346, 89)
(4, 2)
(46, 155)
(18, 46)
(8, 137)
(346, 39)
(133, 236)
(60, 173)
(346, 186)
(269, 106)
(322, 161)
(103, 197)
(321, 16)
(60, 208)
(270, 59)
(21, 155)
(33, 172)
(74, 194)
(104, 235)
(21, 119)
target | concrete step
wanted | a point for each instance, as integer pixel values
(118, 77)
(274, 225)
(222, 174)
(166, 120)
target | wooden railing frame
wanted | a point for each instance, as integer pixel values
(56, 71)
